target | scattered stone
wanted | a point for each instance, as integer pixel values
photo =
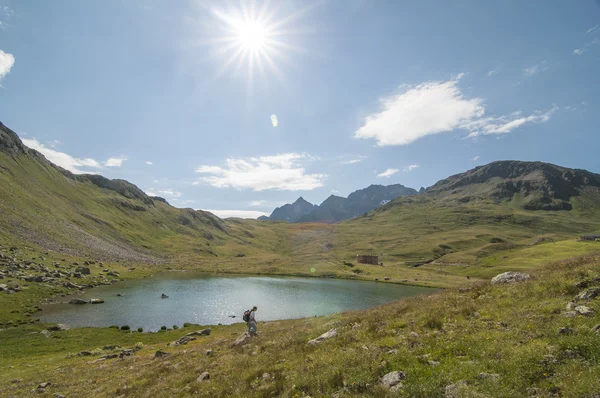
(77, 301)
(393, 379)
(588, 294)
(532, 392)
(583, 310)
(510, 277)
(111, 347)
(160, 354)
(488, 376)
(182, 341)
(59, 396)
(570, 314)
(208, 353)
(325, 336)
(243, 339)
(126, 353)
(433, 363)
(96, 301)
(570, 354)
(564, 330)
(46, 333)
(109, 356)
(571, 306)
(84, 354)
(71, 285)
(455, 390)
(204, 376)
(44, 385)
(387, 278)
(203, 332)
(3, 287)
(414, 335)
(393, 351)
(266, 377)
(15, 381)
(595, 328)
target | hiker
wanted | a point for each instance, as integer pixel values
(250, 318)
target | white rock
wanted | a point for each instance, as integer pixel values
(323, 337)
(392, 379)
(510, 277)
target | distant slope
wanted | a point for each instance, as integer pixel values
(111, 219)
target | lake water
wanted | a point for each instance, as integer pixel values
(208, 300)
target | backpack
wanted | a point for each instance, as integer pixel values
(246, 316)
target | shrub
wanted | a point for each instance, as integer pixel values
(496, 240)
(140, 330)
(185, 325)
(357, 271)
(348, 264)
(434, 321)
(163, 328)
(125, 327)
(175, 327)
(138, 346)
(113, 327)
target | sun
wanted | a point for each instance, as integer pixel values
(250, 39)
(252, 36)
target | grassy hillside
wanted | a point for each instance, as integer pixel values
(513, 340)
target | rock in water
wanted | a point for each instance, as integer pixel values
(325, 336)
(393, 379)
(164, 296)
(77, 301)
(96, 301)
(510, 277)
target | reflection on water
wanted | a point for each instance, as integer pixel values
(206, 300)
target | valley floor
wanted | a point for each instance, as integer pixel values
(521, 339)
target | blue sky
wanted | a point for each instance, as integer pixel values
(181, 98)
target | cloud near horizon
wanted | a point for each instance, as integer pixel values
(6, 63)
(387, 174)
(281, 172)
(115, 162)
(62, 159)
(411, 167)
(437, 107)
(236, 213)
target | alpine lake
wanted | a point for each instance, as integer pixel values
(207, 299)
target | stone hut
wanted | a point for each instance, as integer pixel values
(591, 237)
(367, 259)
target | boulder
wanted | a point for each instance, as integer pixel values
(126, 353)
(160, 354)
(393, 380)
(110, 356)
(243, 339)
(564, 330)
(183, 340)
(325, 336)
(488, 376)
(595, 328)
(46, 333)
(96, 301)
(71, 285)
(44, 385)
(583, 310)
(84, 354)
(77, 301)
(83, 270)
(59, 327)
(204, 376)
(3, 287)
(203, 332)
(456, 390)
(164, 296)
(510, 277)
(588, 294)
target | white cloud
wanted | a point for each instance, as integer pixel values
(579, 51)
(115, 162)
(6, 63)
(426, 109)
(594, 29)
(274, 120)
(437, 107)
(388, 173)
(476, 158)
(60, 158)
(149, 163)
(257, 203)
(280, 172)
(411, 167)
(164, 193)
(353, 161)
(505, 124)
(535, 69)
(493, 72)
(237, 213)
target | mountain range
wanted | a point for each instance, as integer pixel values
(337, 208)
